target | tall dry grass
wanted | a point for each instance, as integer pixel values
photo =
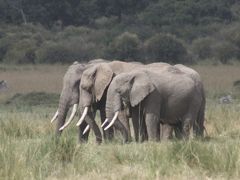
(48, 78)
(29, 150)
(218, 79)
(29, 78)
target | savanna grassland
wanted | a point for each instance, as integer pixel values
(28, 149)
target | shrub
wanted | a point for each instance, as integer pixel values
(125, 46)
(202, 47)
(20, 52)
(225, 51)
(51, 52)
(231, 34)
(165, 47)
(73, 31)
(82, 48)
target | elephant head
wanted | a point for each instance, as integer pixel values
(70, 94)
(131, 88)
(95, 81)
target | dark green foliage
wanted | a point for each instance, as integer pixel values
(54, 31)
(125, 46)
(202, 47)
(165, 47)
(224, 51)
(53, 53)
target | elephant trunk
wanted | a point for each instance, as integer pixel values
(86, 99)
(63, 108)
(84, 104)
(113, 109)
(113, 103)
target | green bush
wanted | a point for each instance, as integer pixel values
(20, 52)
(51, 52)
(125, 46)
(231, 34)
(202, 47)
(165, 47)
(225, 51)
(73, 31)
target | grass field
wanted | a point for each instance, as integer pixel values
(28, 149)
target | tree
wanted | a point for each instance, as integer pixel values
(18, 6)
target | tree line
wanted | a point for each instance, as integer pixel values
(175, 31)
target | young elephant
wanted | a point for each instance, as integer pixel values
(169, 96)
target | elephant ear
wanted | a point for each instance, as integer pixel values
(104, 75)
(141, 87)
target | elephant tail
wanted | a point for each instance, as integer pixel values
(198, 126)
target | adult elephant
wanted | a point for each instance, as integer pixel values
(69, 97)
(198, 126)
(93, 88)
(169, 96)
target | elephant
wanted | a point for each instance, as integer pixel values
(93, 88)
(70, 96)
(198, 126)
(168, 96)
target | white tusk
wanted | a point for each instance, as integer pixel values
(113, 120)
(86, 129)
(83, 116)
(74, 110)
(106, 120)
(54, 117)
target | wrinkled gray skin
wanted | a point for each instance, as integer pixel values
(169, 97)
(70, 94)
(93, 88)
(198, 126)
(94, 85)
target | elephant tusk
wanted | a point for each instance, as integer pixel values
(113, 120)
(74, 110)
(82, 117)
(106, 120)
(86, 129)
(54, 117)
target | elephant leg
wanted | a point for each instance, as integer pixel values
(178, 130)
(198, 125)
(166, 131)
(118, 125)
(135, 122)
(93, 125)
(186, 126)
(143, 128)
(122, 116)
(83, 138)
(108, 134)
(153, 127)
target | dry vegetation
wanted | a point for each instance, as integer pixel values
(30, 78)
(28, 149)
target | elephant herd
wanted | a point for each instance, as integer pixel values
(161, 100)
